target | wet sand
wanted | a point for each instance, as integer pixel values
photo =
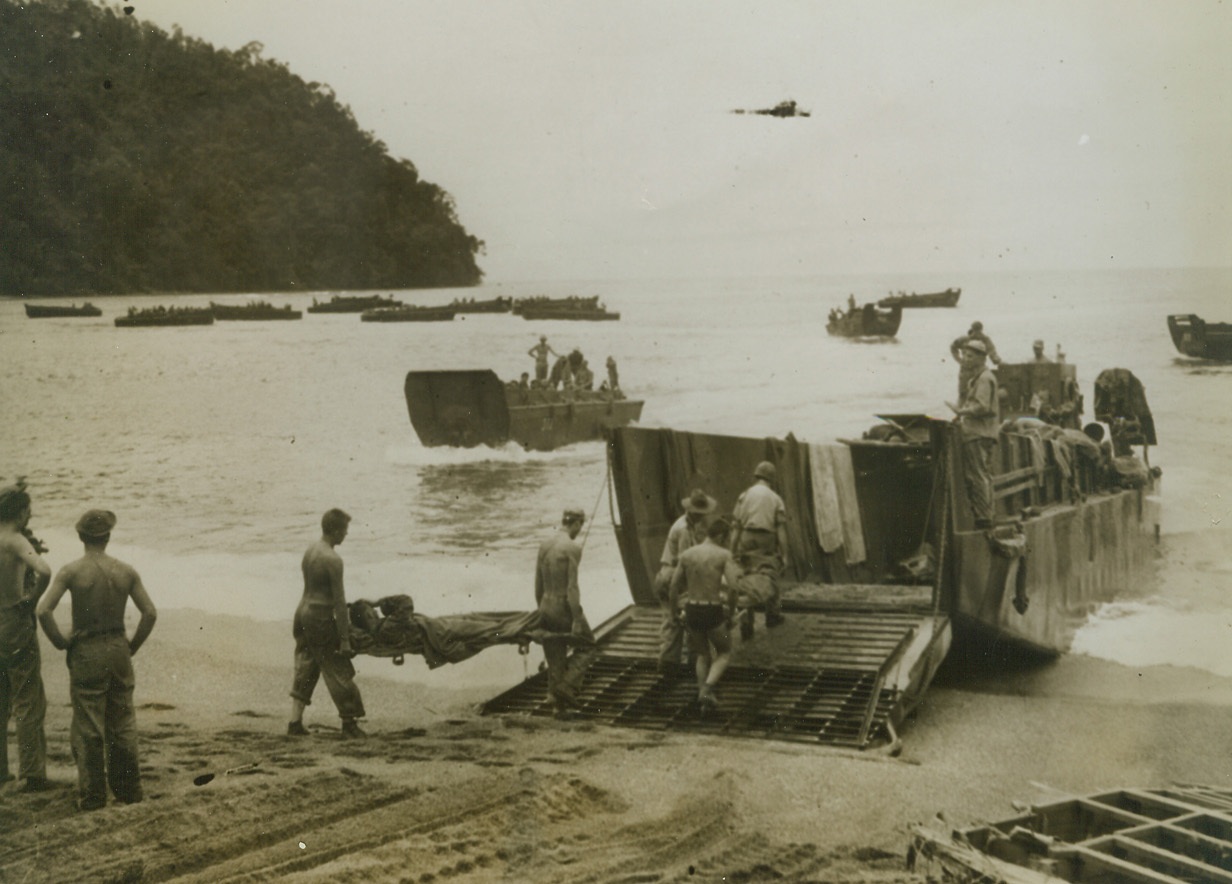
(439, 793)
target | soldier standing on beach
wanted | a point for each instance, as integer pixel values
(322, 630)
(560, 609)
(759, 541)
(698, 585)
(23, 578)
(687, 531)
(100, 662)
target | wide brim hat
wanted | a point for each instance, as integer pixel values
(699, 502)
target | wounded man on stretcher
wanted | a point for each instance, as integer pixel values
(389, 627)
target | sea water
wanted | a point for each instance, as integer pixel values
(219, 447)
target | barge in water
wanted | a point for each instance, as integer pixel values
(47, 311)
(1194, 336)
(262, 311)
(468, 408)
(885, 567)
(868, 321)
(947, 298)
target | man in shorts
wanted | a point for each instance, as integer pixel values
(704, 586)
(687, 531)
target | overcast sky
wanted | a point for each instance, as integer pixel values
(595, 140)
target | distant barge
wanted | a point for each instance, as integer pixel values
(46, 311)
(868, 321)
(157, 316)
(353, 303)
(408, 313)
(255, 310)
(1194, 336)
(948, 298)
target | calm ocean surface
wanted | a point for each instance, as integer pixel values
(219, 447)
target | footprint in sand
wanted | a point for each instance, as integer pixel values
(157, 707)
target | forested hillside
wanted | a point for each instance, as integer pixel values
(136, 160)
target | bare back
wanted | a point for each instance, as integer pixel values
(100, 587)
(322, 568)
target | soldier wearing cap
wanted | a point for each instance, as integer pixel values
(560, 610)
(687, 531)
(322, 631)
(24, 576)
(101, 680)
(759, 541)
(1038, 350)
(975, 333)
(979, 416)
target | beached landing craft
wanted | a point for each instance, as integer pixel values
(153, 316)
(254, 310)
(408, 313)
(886, 568)
(469, 408)
(869, 321)
(1173, 835)
(44, 311)
(1193, 336)
(948, 298)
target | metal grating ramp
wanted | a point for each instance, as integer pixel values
(818, 679)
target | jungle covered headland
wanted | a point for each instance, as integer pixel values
(136, 160)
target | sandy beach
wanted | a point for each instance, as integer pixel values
(438, 792)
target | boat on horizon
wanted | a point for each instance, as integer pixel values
(1194, 336)
(408, 313)
(1172, 835)
(888, 572)
(491, 305)
(464, 409)
(947, 298)
(254, 310)
(597, 313)
(569, 302)
(353, 303)
(47, 311)
(156, 316)
(867, 321)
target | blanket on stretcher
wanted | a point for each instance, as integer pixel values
(389, 627)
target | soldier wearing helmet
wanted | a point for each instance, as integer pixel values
(975, 333)
(759, 541)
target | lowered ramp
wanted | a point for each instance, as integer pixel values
(845, 669)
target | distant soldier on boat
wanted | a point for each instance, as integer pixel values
(540, 353)
(1037, 350)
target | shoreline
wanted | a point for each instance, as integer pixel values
(438, 792)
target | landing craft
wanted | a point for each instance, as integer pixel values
(782, 109)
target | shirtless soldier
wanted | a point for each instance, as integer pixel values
(322, 631)
(100, 662)
(560, 608)
(21, 679)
